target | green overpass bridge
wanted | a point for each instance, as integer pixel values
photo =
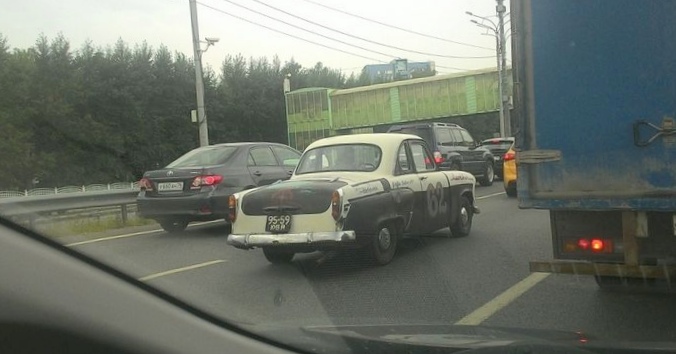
(471, 99)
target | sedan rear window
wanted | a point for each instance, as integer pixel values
(345, 157)
(208, 156)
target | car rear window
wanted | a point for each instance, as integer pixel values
(204, 157)
(343, 157)
(424, 132)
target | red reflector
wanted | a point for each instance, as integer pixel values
(597, 245)
(438, 158)
(583, 243)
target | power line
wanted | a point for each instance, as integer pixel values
(449, 67)
(310, 31)
(395, 27)
(290, 35)
(353, 36)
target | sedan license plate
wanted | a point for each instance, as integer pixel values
(170, 186)
(278, 224)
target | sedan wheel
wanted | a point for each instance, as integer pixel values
(385, 244)
(277, 256)
(174, 225)
(463, 223)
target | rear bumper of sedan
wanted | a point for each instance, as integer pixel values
(200, 206)
(293, 239)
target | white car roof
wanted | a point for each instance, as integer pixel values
(384, 140)
(388, 142)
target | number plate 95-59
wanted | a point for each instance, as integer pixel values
(278, 224)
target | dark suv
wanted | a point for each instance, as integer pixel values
(453, 148)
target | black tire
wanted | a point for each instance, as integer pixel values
(173, 226)
(511, 191)
(489, 175)
(463, 224)
(454, 166)
(384, 244)
(275, 256)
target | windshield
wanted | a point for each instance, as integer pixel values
(204, 157)
(236, 156)
(348, 157)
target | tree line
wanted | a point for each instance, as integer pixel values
(106, 114)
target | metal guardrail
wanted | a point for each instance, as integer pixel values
(71, 189)
(33, 206)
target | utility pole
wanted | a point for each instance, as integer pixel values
(199, 79)
(504, 89)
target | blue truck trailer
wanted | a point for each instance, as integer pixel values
(595, 109)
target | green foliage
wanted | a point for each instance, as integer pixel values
(106, 114)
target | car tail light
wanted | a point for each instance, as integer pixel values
(145, 184)
(508, 156)
(583, 243)
(232, 208)
(438, 158)
(208, 180)
(336, 204)
(597, 245)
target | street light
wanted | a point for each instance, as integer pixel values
(199, 78)
(499, 34)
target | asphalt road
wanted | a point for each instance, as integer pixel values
(480, 279)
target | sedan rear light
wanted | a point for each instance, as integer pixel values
(208, 180)
(336, 204)
(232, 208)
(145, 184)
(508, 156)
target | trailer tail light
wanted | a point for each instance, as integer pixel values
(585, 244)
(145, 184)
(232, 208)
(336, 204)
(208, 180)
(508, 156)
(438, 158)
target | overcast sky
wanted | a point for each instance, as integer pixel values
(168, 22)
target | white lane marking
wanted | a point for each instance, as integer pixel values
(179, 270)
(490, 195)
(132, 234)
(499, 302)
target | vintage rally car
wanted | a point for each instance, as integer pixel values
(362, 190)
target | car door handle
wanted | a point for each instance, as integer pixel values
(257, 173)
(422, 178)
(289, 173)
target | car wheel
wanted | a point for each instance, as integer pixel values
(489, 175)
(463, 223)
(511, 191)
(454, 166)
(276, 256)
(174, 225)
(384, 244)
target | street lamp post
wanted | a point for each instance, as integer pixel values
(501, 56)
(199, 78)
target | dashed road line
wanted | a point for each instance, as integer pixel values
(179, 270)
(501, 301)
(141, 233)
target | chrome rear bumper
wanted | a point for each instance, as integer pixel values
(260, 240)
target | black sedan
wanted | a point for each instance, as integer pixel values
(196, 186)
(498, 147)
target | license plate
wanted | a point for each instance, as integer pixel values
(278, 224)
(170, 186)
(497, 158)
